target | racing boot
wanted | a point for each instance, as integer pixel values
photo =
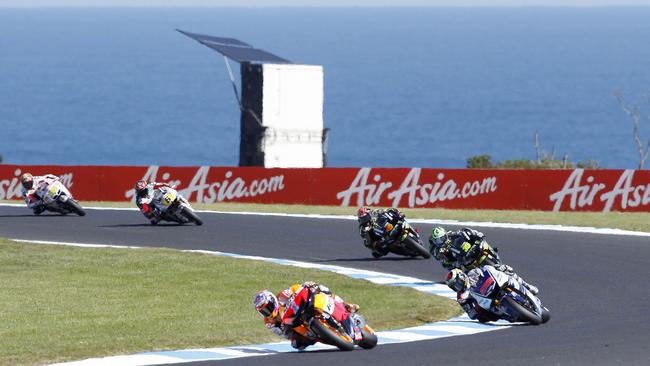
(533, 289)
(379, 250)
(39, 209)
(508, 270)
(154, 220)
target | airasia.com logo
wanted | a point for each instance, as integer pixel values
(371, 191)
(229, 188)
(581, 194)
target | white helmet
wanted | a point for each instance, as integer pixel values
(457, 280)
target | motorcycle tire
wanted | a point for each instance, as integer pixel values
(369, 340)
(417, 247)
(546, 315)
(332, 337)
(73, 206)
(192, 216)
(523, 314)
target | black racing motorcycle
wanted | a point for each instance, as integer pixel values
(399, 236)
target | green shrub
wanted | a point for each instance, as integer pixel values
(485, 162)
(480, 162)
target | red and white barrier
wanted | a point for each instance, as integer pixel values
(547, 190)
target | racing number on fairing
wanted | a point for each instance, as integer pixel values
(52, 192)
(168, 198)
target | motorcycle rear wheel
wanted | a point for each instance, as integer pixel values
(523, 314)
(192, 216)
(332, 337)
(417, 247)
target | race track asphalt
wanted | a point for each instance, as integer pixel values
(596, 286)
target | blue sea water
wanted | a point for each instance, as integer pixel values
(425, 87)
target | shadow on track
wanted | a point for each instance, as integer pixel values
(170, 224)
(32, 215)
(369, 259)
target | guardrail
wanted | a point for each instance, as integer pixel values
(547, 190)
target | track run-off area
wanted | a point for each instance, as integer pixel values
(595, 282)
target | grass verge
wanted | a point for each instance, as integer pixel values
(616, 220)
(66, 303)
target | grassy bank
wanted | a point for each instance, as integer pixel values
(67, 303)
(618, 220)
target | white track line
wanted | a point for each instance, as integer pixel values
(502, 225)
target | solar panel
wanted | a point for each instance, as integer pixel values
(236, 49)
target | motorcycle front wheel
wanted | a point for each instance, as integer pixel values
(73, 206)
(523, 313)
(417, 247)
(192, 216)
(329, 335)
(369, 339)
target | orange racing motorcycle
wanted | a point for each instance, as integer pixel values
(322, 317)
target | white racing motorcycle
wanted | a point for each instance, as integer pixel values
(171, 206)
(508, 299)
(57, 198)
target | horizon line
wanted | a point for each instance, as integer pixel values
(432, 6)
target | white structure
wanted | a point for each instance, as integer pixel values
(281, 107)
(292, 112)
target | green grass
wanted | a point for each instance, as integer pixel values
(62, 303)
(616, 220)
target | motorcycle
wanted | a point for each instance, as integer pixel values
(57, 198)
(508, 299)
(169, 205)
(469, 256)
(320, 317)
(400, 237)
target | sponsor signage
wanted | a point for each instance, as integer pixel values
(548, 190)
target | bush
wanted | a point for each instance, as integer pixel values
(485, 162)
(480, 162)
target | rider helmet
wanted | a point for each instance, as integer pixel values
(27, 180)
(363, 215)
(437, 238)
(457, 280)
(140, 187)
(266, 303)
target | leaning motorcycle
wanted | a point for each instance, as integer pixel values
(508, 299)
(400, 237)
(320, 317)
(171, 206)
(57, 198)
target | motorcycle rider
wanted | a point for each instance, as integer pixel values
(144, 195)
(441, 241)
(464, 284)
(272, 307)
(30, 186)
(377, 242)
(460, 282)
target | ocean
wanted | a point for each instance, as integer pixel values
(404, 87)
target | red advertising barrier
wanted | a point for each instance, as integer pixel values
(548, 190)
